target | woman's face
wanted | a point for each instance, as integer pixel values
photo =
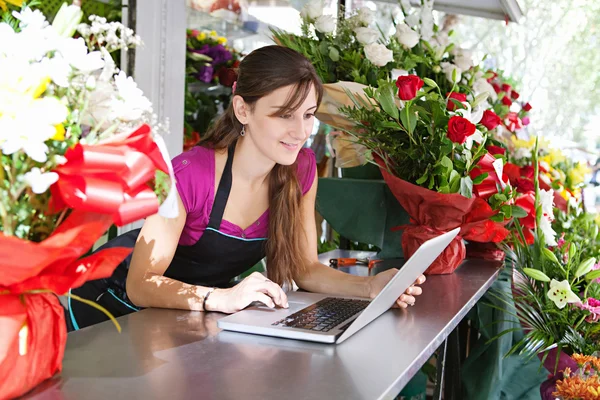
(280, 137)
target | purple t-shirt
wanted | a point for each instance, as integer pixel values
(195, 179)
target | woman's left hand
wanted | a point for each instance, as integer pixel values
(377, 283)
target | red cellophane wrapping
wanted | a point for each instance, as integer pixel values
(434, 213)
(32, 322)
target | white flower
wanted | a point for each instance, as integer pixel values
(547, 202)
(312, 10)
(405, 4)
(366, 15)
(427, 21)
(325, 24)
(476, 137)
(76, 53)
(58, 69)
(406, 36)
(448, 69)
(366, 35)
(38, 181)
(549, 234)
(132, 103)
(522, 152)
(412, 20)
(378, 54)
(67, 19)
(396, 73)
(31, 19)
(481, 85)
(561, 294)
(463, 59)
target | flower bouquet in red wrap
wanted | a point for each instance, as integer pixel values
(431, 150)
(78, 154)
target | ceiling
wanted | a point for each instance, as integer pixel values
(492, 9)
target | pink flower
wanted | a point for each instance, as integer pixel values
(593, 306)
(561, 241)
(595, 267)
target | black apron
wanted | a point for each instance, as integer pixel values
(213, 261)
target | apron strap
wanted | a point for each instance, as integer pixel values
(216, 215)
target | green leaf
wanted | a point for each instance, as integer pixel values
(549, 255)
(536, 274)
(593, 275)
(585, 267)
(386, 99)
(454, 181)
(572, 251)
(466, 186)
(412, 121)
(507, 211)
(518, 212)
(444, 189)
(422, 179)
(447, 163)
(480, 178)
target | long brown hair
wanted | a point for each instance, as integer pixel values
(260, 73)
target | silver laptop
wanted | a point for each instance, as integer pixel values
(328, 319)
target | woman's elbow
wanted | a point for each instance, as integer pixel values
(136, 292)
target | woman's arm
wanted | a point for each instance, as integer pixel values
(320, 278)
(152, 255)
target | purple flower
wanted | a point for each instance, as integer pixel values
(595, 267)
(218, 53)
(205, 74)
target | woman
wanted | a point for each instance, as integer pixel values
(246, 192)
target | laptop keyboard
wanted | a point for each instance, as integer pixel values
(324, 315)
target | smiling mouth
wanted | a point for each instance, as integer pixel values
(291, 146)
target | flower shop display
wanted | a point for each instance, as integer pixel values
(555, 290)
(80, 151)
(209, 60)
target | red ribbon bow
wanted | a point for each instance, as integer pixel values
(111, 177)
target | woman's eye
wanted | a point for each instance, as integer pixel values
(285, 116)
(308, 116)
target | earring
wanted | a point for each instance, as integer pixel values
(243, 132)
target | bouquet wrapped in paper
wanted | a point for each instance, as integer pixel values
(432, 154)
(78, 154)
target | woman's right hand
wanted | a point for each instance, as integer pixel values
(255, 287)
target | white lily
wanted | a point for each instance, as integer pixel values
(561, 294)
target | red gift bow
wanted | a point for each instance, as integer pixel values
(490, 184)
(111, 177)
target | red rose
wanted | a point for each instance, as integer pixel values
(494, 76)
(496, 87)
(524, 185)
(527, 171)
(459, 129)
(514, 95)
(408, 86)
(525, 121)
(527, 107)
(236, 64)
(506, 101)
(227, 76)
(457, 96)
(490, 120)
(506, 87)
(493, 150)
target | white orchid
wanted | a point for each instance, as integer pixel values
(561, 293)
(547, 202)
(412, 20)
(31, 19)
(463, 59)
(75, 52)
(38, 181)
(481, 85)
